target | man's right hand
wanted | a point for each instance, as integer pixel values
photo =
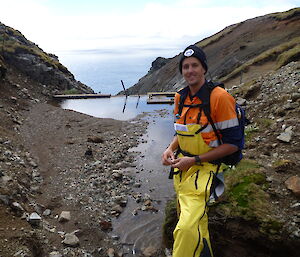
(167, 157)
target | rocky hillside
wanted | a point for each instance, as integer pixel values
(238, 53)
(23, 57)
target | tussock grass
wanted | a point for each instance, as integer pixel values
(265, 123)
(282, 54)
(285, 15)
(216, 37)
(288, 56)
(11, 43)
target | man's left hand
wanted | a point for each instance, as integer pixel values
(183, 163)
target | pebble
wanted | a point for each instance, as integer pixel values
(65, 216)
(34, 219)
(110, 252)
(71, 240)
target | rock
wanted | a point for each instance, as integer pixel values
(64, 216)
(117, 208)
(286, 136)
(55, 254)
(34, 219)
(71, 240)
(4, 199)
(293, 184)
(115, 237)
(110, 252)
(296, 205)
(150, 251)
(117, 175)
(105, 225)
(5, 179)
(241, 101)
(47, 212)
(95, 139)
(88, 153)
(18, 207)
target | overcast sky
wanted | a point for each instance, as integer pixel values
(115, 25)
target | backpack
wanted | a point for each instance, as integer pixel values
(234, 158)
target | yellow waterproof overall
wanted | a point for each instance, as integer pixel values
(191, 236)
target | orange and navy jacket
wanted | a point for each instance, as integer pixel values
(222, 112)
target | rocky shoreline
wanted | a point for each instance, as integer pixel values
(71, 177)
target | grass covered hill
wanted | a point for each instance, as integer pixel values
(239, 53)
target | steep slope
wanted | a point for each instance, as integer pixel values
(238, 53)
(21, 56)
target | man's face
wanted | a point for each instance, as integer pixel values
(193, 71)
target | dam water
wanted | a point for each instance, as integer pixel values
(136, 229)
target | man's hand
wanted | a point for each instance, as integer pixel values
(183, 163)
(167, 157)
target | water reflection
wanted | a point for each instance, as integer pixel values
(117, 107)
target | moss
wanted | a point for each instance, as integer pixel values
(246, 197)
(169, 223)
(271, 226)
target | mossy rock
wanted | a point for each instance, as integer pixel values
(283, 165)
(170, 222)
(246, 197)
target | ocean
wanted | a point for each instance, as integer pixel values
(103, 71)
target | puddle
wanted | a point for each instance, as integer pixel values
(116, 107)
(143, 230)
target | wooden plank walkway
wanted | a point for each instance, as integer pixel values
(167, 94)
(160, 97)
(81, 96)
(160, 101)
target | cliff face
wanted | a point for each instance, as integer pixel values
(21, 58)
(238, 53)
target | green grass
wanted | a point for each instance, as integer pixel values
(72, 91)
(250, 131)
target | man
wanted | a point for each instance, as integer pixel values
(197, 146)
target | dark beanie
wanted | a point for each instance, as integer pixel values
(193, 51)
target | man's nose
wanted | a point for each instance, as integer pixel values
(190, 68)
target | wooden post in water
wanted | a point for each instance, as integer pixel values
(124, 88)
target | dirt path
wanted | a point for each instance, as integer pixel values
(81, 161)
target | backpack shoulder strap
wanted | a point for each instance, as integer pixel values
(204, 96)
(183, 94)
